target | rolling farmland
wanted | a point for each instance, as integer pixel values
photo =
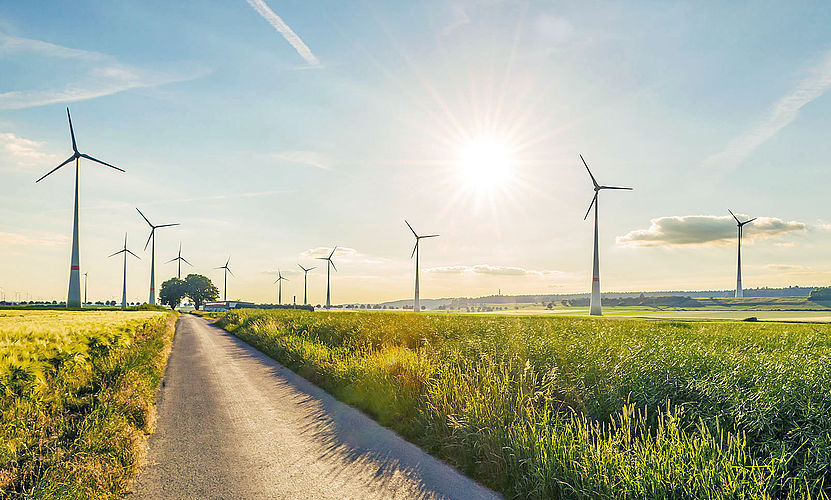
(579, 408)
(76, 392)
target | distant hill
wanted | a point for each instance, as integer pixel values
(578, 298)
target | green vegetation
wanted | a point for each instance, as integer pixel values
(172, 292)
(199, 289)
(562, 407)
(76, 395)
(820, 295)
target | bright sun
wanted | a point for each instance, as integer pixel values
(485, 163)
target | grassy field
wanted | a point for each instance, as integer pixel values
(556, 407)
(76, 395)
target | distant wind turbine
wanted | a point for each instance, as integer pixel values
(305, 280)
(180, 259)
(595, 308)
(74, 296)
(416, 302)
(329, 264)
(279, 282)
(739, 293)
(125, 251)
(152, 254)
(227, 270)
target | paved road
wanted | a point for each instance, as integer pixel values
(233, 423)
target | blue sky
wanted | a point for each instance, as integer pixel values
(270, 141)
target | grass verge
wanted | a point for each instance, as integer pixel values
(76, 399)
(578, 408)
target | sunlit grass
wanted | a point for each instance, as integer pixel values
(580, 408)
(76, 391)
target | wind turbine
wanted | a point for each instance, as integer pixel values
(227, 270)
(125, 251)
(329, 264)
(279, 281)
(305, 280)
(180, 259)
(74, 296)
(740, 225)
(595, 308)
(153, 254)
(416, 303)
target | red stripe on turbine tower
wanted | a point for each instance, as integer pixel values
(74, 268)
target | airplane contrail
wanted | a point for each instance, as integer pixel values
(284, 29)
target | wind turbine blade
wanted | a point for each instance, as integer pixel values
(415, 247)
(734, 216)
(88, 157)
(186, 262)
(71, 131)
(749, 221)
(411, 228)
(134, 255)
(59, 166)
(231, 272)
(143, 217)
(125, 241)
(220, 267)
(148, 238)
(277, 281)
(594, 200)
(309, 269)
(322, 258)
(615, 187)
(228, 261)
(118, 252)
(594, 181)
(429, 236)
(167, 225)
(301, 267)
(333, 251)
(172, 260)
(333, 265)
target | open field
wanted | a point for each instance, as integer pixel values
(708, 313)
(580, 408)
(76, 394)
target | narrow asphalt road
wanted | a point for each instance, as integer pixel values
(233, 423)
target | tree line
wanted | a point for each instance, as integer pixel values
(199, 289)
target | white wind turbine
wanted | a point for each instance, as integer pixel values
(279, 282)
(416, 302)
(329, 264)
(595, 308)
(125, 251)
(305, 281)
(73, 298)
(740, 224)
(152, 254)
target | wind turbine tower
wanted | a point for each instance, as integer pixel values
(595, 308)
(125, 251)
(279, 282)
(740, 224)
(153, 255)
(329, 264)
(227, 270)
(180, 259)
(305, 280)
(416, 302)
(74, 296)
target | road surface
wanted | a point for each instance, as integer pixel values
(233, 423)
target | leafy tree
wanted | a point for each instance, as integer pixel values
(199, 289)
(820, 294)
(172, 292)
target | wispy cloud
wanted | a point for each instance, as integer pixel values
(788, 267)
(101, 74)
(307, 158)
(779, 116)
(21, 152)
(284, 29)
(490, 269)
(705, 229)
(17, 239)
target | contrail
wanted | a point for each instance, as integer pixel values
(780, 115)
(284, 29)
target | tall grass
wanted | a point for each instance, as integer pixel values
(76, 392)
(580, 408)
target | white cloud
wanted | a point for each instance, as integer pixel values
(779, 116)
(102, 75)
(21, 152)
(706, 229)
(490, 270)
(788, 267)
(16, 239)
(284, 29)
(307, 158)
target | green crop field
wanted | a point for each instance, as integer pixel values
(76, 392)
(559, 407)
